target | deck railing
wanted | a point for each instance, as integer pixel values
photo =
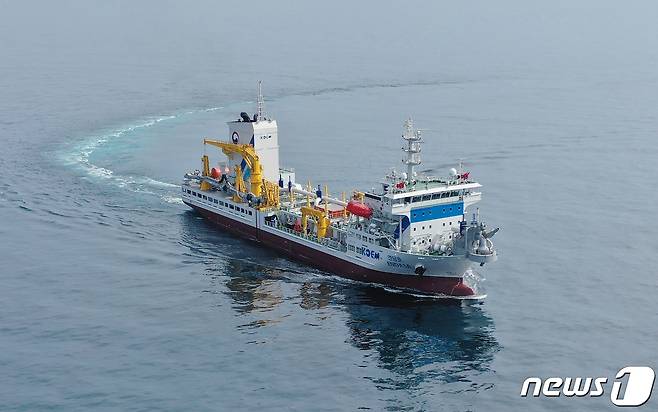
(325, 241)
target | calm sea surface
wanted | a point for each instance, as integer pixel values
(115, 296)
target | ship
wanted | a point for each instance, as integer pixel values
(412, 233)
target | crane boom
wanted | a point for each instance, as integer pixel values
(248, 153)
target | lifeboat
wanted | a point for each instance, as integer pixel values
(359, 209)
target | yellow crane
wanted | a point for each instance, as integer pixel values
(248, 153)
(320, 218)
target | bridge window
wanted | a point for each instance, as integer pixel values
(436, 196)
(416, 198)
(444, 194)
(427, 197)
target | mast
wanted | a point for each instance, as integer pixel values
(259, 101)
(414, 140)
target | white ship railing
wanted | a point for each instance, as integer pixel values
(324, 242)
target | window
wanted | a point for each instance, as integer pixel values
(205, 197)
(216, 201)
(231, 207)
(427, 197)
(250, 213)
(444, 223)
(444, 194)
(416, 198)
(430, 226)
(450, 223)
(414, 229)
(423, 227)
(189, 191)
(436, 196)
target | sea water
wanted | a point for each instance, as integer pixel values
(116, 296)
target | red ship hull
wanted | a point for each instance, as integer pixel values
(434, 285)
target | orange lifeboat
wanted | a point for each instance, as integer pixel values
(215, 173)
(359, 209)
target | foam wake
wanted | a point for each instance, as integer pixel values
(80, 157)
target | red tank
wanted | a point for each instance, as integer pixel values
(215, 173)
(359, 209)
